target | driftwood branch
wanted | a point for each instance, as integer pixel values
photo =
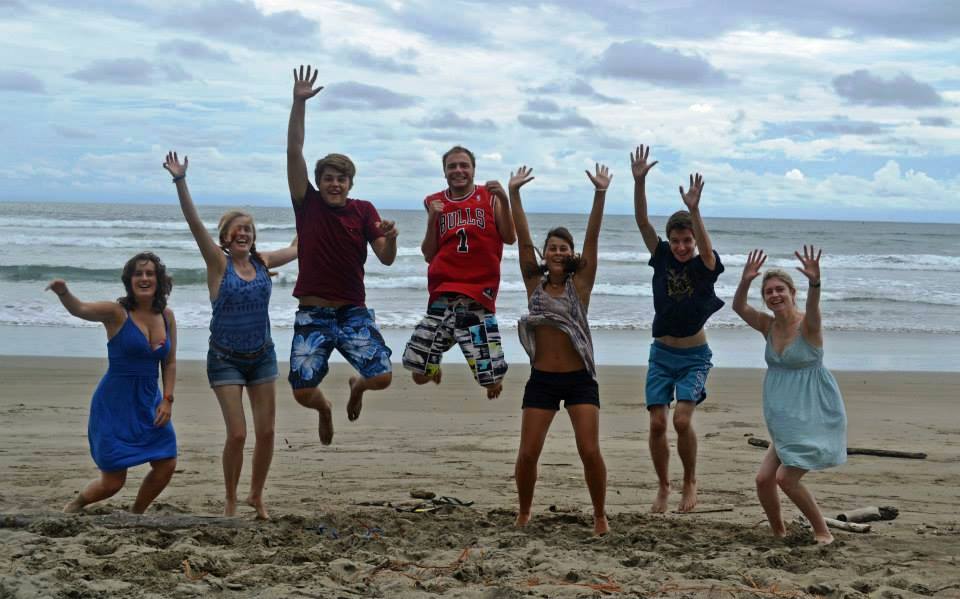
(883, 453)
(126, 520)
(869, 514)
(847, 526)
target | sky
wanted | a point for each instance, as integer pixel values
(813, 109)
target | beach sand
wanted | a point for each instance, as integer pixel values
(452, 441)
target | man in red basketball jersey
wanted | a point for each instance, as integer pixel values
(467, 225)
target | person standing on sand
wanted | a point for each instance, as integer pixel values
(802, 405)
(333, 231)
(130, 419)
(467, 225)
(241, 352)
(556, 336)
(683, 300)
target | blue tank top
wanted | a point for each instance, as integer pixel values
(241, 320)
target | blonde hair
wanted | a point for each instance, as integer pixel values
(224, 230)
(779, 273)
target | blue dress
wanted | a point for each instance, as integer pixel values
(120, 429)
(803, 408)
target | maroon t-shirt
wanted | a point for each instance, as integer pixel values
(332, 247)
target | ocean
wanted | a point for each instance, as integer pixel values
(891, 291)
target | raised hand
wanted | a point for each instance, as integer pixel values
(388, 228)
(520, 178)
(751, 270)
(496, 189)
(173, 166)
(435, 208)
(601, 178)
(638, 162)
(692, 197)
(58, 286)
(810, 261)
(303, 84)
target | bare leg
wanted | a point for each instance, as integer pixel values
(534, 425)
(231, 406)
(687, 448)
(586, 428)
(263, 402)
(660, 454)
(788, 478)
(154, 483)
(103, 487)
(359, 385)
(767, 492)
(312, 397)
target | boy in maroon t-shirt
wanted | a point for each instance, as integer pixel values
(333, 232)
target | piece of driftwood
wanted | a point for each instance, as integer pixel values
(707, 509)
(127, 520)
(869, 514)
(883, 453)
(847, 526)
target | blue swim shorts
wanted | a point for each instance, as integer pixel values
(225, 367)
(677, 371)
(351, 330)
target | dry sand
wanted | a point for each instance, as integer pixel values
(452, 441)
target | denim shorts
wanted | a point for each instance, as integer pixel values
(545, 390)
(351, 330)
(225, 367)
(677, 371)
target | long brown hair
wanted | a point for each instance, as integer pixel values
(224, 230)
(572, 264)
(164, 282)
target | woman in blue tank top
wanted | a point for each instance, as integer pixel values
(129, 420)
(241, 351)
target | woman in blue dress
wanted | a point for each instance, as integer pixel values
(241, 352)
(802, 405)
(129, 420)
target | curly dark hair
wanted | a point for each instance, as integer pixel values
(573, 264)
(164, 282)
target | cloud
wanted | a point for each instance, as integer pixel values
(447, 119)
(12, 8)
(839, 125)
(360, 57)
(861, 87)
(193, 50)
(129, 71)
(569, 120)
(20, 81)
(794, 175)
(642, 61)
(444, 22)
(241, 22)
(935, 121)
(542, 105)
(703, 108)
(576, 87)
(73, 133)
(351, 95)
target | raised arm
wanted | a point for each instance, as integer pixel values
(751, 270)
(211, 252)
(692, 199)
(810, 267)
(585, 276)
(385, 247)
(640, 168)
(168, 372)
(111, 314)
(282, 256)
(529, 264)
(501, 213)
(297, 177)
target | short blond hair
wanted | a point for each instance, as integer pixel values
(779, 273)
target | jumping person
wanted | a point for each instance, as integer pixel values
(467, 225)
(556, 336)
(241, 352)
(802, 405)
(333, 231)
(130, 418)
(683, 300)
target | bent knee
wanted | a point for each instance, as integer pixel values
(304, 396)
(764, 480)
(421, 379)
(381, 381)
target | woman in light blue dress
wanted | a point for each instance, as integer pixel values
(802, 405)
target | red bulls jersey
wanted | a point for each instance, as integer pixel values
(469, 248)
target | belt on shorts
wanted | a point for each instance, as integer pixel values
(242, 355)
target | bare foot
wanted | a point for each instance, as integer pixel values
(824, 538)
(356, 399)
(257, 504)
(600, 525)
(493, 391)
(75, 506)
(660, 503)
(437, 376)
(779, 530)
(688, 500)
(522, 519)
(325, 426)
(229, 507)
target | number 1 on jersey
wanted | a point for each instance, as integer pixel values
(463, 247)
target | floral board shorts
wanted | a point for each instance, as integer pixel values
(351, 330)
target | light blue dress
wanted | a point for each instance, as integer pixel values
(803, 408)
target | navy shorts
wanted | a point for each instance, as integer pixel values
(225, 367)
(677, 371)
(351, 330)
(545, 390)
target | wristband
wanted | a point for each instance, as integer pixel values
(179, 178)
(169, 397)
(815, 285)
(63, 294)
